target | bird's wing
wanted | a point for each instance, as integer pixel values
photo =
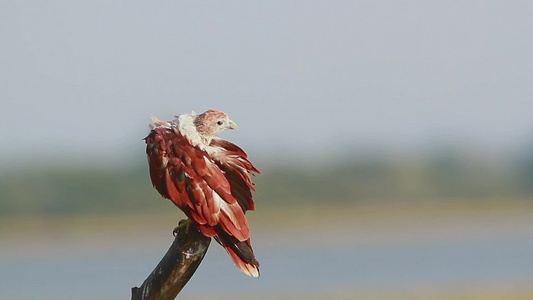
(195, 182)
(237, 169)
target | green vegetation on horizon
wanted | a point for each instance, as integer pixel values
(111, 190)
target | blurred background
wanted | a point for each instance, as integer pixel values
(395, 140)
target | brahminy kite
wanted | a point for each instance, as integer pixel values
(208, 178)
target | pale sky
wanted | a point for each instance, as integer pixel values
(80, 78)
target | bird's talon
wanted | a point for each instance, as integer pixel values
(182, 224)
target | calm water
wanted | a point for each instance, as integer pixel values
(304, 267)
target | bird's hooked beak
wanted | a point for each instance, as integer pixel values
(232, 125)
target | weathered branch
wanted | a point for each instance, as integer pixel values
(176, 267)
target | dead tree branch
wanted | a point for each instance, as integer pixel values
(175, 268)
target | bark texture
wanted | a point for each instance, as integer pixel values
(176, 267)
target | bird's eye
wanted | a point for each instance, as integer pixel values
(220, 122)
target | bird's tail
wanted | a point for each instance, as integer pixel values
(241, 253)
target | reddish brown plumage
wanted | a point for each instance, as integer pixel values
(208, 178)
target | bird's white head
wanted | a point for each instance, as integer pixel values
(212, 122)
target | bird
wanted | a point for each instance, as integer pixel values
(208, 178)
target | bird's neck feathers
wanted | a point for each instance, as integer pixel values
(193, 132)
(185, 125)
